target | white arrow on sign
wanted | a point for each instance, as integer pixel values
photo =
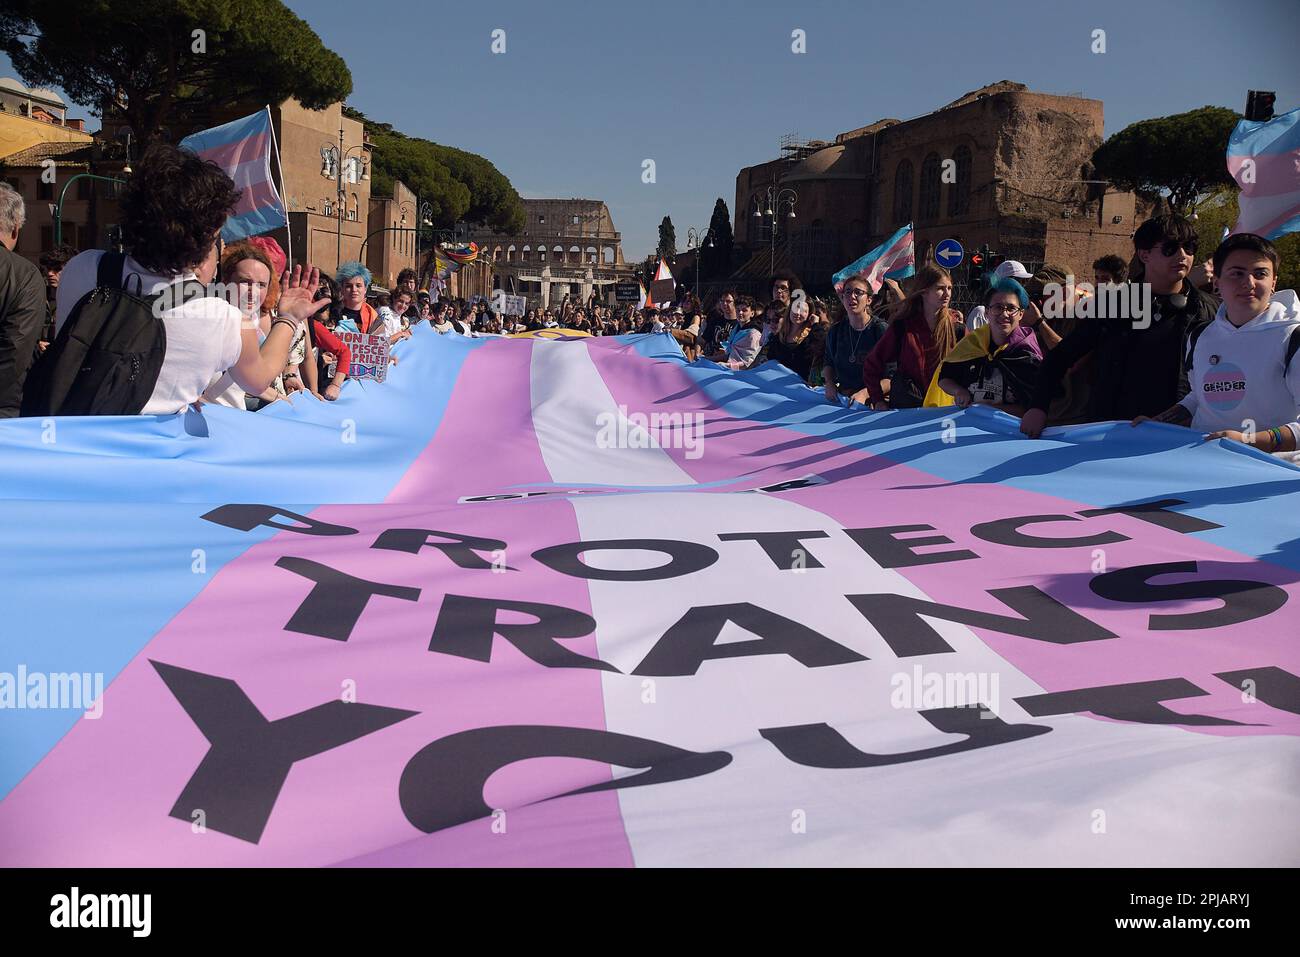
(948, 255)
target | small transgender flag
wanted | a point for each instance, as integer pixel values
(895, 258)
(1264, 159)
(243, 149)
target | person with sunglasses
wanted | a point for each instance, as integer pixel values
(719, 325)
(1244, 369)
(848, 343)
(742, 346)
(1137, 359)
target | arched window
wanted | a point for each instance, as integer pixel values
(510, 254)
(496, 254)
(541, 254)
(557, 253)
(591, 255)
(609, 255)
(959, 192)
(525, 254)
(575, 255)
(903, 192)
(930, 185)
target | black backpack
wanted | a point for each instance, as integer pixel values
(107, 355)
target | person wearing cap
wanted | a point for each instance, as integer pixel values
(1138, 359)
(1010, 269)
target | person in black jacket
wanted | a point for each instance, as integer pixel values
(22, 305)
(1138, 360)
(51, 265)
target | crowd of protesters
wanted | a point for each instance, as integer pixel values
(1033, 348)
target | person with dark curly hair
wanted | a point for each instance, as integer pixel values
(173, 208)
(408, 279)
(51, 265)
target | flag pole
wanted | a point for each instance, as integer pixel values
(284, 194)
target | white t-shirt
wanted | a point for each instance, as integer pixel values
(203, 335)
(392, 321)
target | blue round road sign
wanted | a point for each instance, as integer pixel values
(948, 254)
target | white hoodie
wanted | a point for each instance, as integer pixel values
(1236, 378)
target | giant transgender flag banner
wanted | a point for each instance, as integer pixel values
(1264, 159)
(895, 258)
(243, 149)
(538, 602)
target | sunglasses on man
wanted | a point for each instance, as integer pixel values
(1171, 246)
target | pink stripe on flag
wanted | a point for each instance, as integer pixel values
(230, 155)
(102, 797)
(1272, 174)
(257, 196)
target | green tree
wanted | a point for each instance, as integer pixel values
(667, 238)
(170, 63)
(646, 272)
(1177, 158)
(717, 259)
(458, 185)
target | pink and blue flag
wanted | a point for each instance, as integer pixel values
(548, 602)
(895, 258)
(243, 149)
(1264, 159)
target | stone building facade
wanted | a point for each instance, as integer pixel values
(324, 229)
(41, 152)
(47, 172)
(567, 247)
(391, 238)
(28, 117)
(1002, 165)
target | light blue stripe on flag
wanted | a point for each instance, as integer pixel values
(232, 132)
(253, 223)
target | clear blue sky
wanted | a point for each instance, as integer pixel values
(586, 90)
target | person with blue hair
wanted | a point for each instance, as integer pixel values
(995, 365)
(355, 314)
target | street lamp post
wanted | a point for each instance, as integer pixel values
(775, 198)
(383, 229)
(696, 240)
(423, 212)
(339, 156)
(58, 209)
